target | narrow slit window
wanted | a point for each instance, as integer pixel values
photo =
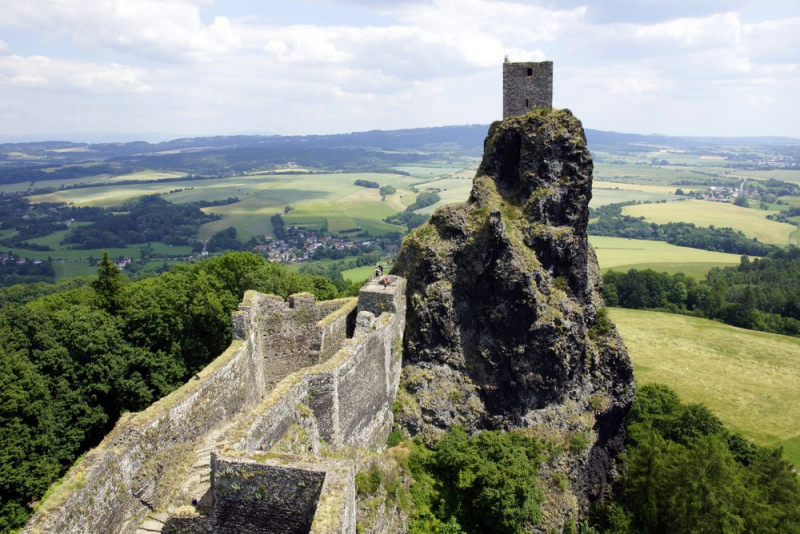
(527, 103)
(530, 72)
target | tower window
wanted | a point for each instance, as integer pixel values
(530, 72)
(527, 103)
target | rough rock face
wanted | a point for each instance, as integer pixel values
(504, 328)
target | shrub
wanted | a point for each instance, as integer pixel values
(368, 482)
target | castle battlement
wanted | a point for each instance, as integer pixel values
(250, 443)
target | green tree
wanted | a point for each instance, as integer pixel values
(108, 285)
(488, 481)
(387, 190)
(27, 437)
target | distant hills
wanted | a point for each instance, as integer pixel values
(595, 137)
(376, 148)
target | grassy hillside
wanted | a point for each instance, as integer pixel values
(749, 379)
(621, 254)
(752, 222)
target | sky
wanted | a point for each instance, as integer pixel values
(89, 68)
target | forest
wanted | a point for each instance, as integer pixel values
(74, 356)
(142, 220)
(684, 472)
(760, 294)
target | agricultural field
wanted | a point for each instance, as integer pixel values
(663, 175)
(359, 274)
(749, 379)
(71, 269)
(752, 222)
(777, 174)
(622, 254)
(451, 190)
(601, 197)
(148, 175)
(430, 170)
(457, 189)
(63, 253)
(318, 200)
(646, 188)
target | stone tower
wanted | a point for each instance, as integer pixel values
(526, 86)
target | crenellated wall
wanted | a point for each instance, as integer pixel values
(300, 376)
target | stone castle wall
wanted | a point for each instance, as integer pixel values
(527, 86)
(292, 365)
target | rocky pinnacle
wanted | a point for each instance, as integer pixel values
(505, 323)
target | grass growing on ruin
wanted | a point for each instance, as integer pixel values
(622, 254)
(752, 222)
(749, 379)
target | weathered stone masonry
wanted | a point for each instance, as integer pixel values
(526, 86)
(254, 437)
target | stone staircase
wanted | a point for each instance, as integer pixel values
(196, 485)
(153, 523)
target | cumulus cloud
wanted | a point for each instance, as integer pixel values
(676, 67)
(42, 71)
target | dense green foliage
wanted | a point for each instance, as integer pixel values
(75, 358)
(760, 294)
(144, 220)
(20, 294)
(683, 472)
(368, 184)
(611, 222)
(424, 199)
(12, 273)
(476, 484)
(225, 240)
(409, 219)
(387, 190)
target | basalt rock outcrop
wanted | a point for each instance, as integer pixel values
(505, 323)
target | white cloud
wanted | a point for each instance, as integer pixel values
(628, 86)
(42, 71)
(696, 65)
(3, 46)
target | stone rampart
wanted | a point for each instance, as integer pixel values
(299, 374)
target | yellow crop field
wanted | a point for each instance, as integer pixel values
(751, 222)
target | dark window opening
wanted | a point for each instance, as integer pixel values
(530, 72)
(527, 103)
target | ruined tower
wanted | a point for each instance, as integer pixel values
(526, 85)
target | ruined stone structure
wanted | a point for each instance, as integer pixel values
(526, 86)
(262, 440)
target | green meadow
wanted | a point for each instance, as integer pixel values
(149, 175)
(645, 174)
(68, 254)
(326, 199)
(622, 254)
(749, 379)
(752, 222)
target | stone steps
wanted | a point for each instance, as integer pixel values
(196, 484)
(152, 524)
